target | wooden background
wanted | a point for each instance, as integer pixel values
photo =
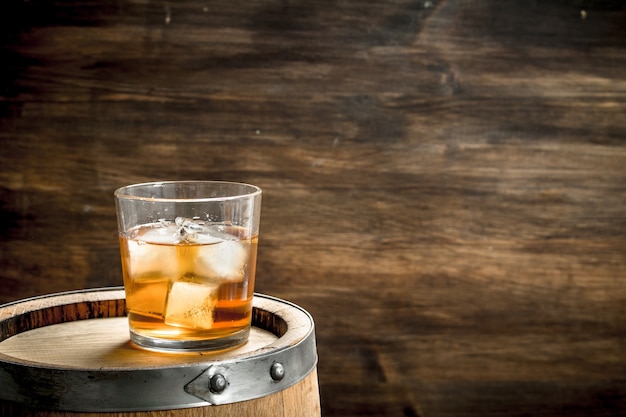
(444, 181)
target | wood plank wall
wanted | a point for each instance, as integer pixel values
(445, 180)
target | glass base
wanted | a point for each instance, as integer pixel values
(181, 346)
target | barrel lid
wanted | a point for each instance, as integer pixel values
(71, 351)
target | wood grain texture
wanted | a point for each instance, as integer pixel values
(444, 181)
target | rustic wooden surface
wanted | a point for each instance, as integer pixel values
(444, 181)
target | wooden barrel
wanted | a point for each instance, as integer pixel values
(69, 354)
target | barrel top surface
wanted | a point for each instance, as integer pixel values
(103, 342)
(70, 351)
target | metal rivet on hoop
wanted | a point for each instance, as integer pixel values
(217, 383)
(277, 371)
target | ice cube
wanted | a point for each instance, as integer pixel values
(188, 229)
(191, 304)
(148, 299)
(164, 233)
(223, 261)
(148, 261)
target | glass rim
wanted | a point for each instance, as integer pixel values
(125, 191)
